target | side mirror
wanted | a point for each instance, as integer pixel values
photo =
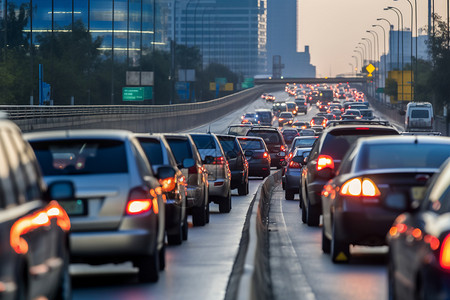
(61, 190)
(165, 172)
(208, 160)
(188, 162)
(231, 154)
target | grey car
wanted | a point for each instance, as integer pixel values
(117, 213)
(293, 173)
(219, 174)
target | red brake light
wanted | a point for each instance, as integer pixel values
(324, 161)
(136, 207)
(141, 201)
(218, 160)
(444, 257)
(294, 165)
(362, 128)
(357, 187)
(282, 148)
(312, 123)
(265, 155)
(168, 184)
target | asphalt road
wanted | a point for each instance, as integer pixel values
(200, 267)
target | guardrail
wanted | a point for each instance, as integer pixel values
(139, 118)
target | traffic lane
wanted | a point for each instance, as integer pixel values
(365, 277)
(197, 269)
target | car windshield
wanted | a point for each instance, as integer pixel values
(270, 137)
(249, 144)
(77, 157)
(304, 142)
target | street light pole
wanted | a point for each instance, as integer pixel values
(369, 46)
(361, 56)
(385, 56)
(364, 49)
(356, 63)
(395, 9)
(390, 52)
(377, 48)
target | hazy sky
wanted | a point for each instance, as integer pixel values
(333, 28)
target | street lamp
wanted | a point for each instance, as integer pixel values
(369, 43)
(352, 67)
(390, 27)
(361, 56)
(364, 49)
(377, 48)
(400, 17)
(356, 63)
(385, 56)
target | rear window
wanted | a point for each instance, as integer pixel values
(290, 132)
(181, 149)
(248, 144)
(238, 130)
(420, 113)
(77, 157)
(265, 116)
(367, 113)
(405, 156)
(270, 137)
(204, 141)
(228, 145)
(285, 115)
(153, 151)
(337, 142)
(304, 142)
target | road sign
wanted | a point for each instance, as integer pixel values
(370, 68)
(380, 90)
(137, 93)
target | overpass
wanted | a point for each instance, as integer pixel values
(329, 80)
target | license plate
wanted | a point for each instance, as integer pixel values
(418, 193)
(74, 207)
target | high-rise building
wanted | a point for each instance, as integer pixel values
(229, 32)
(283, 39)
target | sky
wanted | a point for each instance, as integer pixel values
(333, 28)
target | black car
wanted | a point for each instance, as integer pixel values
(275, 143)
(237, 162)
(257, 155)
(289, 134)
(239, 129)
(326, 154)
(265, 116)
(158, 153)
(373, 182)
(302, 106)
(419, 243)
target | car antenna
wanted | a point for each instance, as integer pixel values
(209, 129)
(416, 141)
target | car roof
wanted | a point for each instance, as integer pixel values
(405, 139)
(80, 134)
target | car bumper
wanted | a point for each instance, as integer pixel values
(219, 187)
(276, 160)
(292, 180)
(258, 167)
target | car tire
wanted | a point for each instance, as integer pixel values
(199, 214)
(391, 281)
(148, 268)
(303, 214)
(326, 243)
(289, 194)
(283, 185)
(64, 291)
(207, 212)
(162, 257)
(312, 215)
(340, 251)
(185, 228)
(225, 204)
(247, 190)
(243, 189)
(176, 238)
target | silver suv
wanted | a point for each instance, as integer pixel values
(219, 174)
(118, 211)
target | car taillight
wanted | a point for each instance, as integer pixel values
(141, 201)
(168, 184)
(290, 155)
(444, 257)
(312, 123)
(265, 155)
(282, 148)
(324, 161)
(219, 160)
(360, 187)
(294, 165)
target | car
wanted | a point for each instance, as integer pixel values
(158, 153)
(184, 151)
(367, 114)
(337, 113)
(257, 155)
(346, 117)
(302, 106)
(318, 120)
(270, 97)
(419, 244)
(293, 172)
(289, 134)
(279, 107)
(419, 116)
(301, 142)
(327, 152)
(264, 95)
(216, 164)
(118, 211)
(300, 125)
(353, 112)
(357, 106)
(285, 118)
(318, 129)
(250, 118)
(275, 143)
(33, 224)
(292, 107)
(240, 129)
(237, 162)
(265, 116)
(307, 132)
(372, 186)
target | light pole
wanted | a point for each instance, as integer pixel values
(390, 52)
(377, 49)
(385, 57)
(369, 46)
(351, 65)
(364, 50)
(360, 55)
(400, 17)
(356, 63)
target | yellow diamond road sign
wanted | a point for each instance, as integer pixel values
(370, 68)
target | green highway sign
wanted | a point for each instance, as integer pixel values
(137, 93)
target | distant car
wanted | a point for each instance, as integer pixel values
(264, 95)
(346, 117)
(33, 224)
(301, 142)
(289, 134)
(158, 153)
(327, 153)
(292, 107)
(302, 106)
(219, 174)
(372, 186)
(419, 243)
(265, 116)
(275, 143)
(419, 116)
(118, 211)
(257, 155)
(293, 172)
(184, 151)
(270, 97)
(250, 118)
(354, 112)
(239, 129)
(285, 118)
(300, 125)
(279, 107)
(318, 120)
(367, 114)
(237, 162)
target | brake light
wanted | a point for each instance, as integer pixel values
(136, 207)
(265, 155)
(294, 165)
(290, 155)
(444, 257)
(168, 184)
(357, 187)
(362, 128)
(218, 160)
(141, 201)
(282, 148)
(324, 161)
(312, 123)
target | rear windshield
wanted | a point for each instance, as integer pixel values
(405, 156)
(265, 116)
(286, 115)
(77, 157)
(153, 151)
(420, 113)
(228, 145)
(181, 149)
(238, 130)
(366, 113)
(270, 137)
(337, 142)
(290, 105)
(204, 141)
(248, 144)
(304, 142)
